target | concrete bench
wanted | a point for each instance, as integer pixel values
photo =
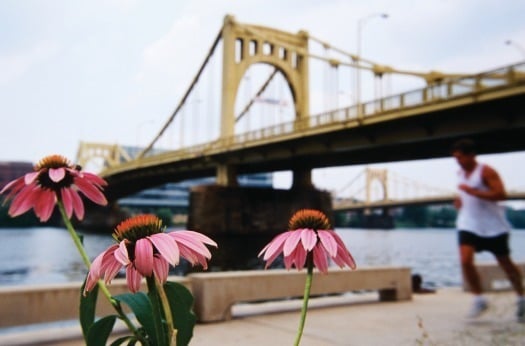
(24, 305)
(493, 278)
(216, 293)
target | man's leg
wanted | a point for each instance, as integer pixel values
(516, 279)
(513, 273)
(470, 273)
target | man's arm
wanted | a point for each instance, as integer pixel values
(491, 178)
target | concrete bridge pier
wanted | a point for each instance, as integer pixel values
(302, 178)
(227, 175)
(243, 219)
(377, 220)
(215, 209)
(227, 208)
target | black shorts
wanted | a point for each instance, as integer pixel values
(498, 245)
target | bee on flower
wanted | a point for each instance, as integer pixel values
(144, 250)
(309, 233)
(54, 179)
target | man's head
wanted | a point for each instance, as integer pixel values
(464, 151)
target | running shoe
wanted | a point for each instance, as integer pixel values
(478, 308)
(520, 313)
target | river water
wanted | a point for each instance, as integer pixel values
(46, 255)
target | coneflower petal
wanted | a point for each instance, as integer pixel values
(291, 242)
(299, 256)
(23, 201)
(343, 253)
(99, 267)
(133, 278)
(276, 245)
(67, 201)
(45, 204)
(161, 268)
(288, 262)
(96, 266)
(90, 191)
(194, 237)
(121, 254)
(30, 178)
(187, 239)
(166, 246)
(56, 174)
(328, 242)
(93, 178)
(144, 256)
(112, 268)
(308, 238)
(270, 258)
(320, 260)
(78, 205)
(13, 187)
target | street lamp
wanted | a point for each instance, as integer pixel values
(360, 24)
(517, 46)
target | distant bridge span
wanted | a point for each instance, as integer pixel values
(352, 205)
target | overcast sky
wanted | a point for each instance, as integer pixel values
(111, 71)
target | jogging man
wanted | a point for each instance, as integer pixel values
(482, 224)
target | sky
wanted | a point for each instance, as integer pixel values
(113, 71)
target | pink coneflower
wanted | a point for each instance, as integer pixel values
(310, 242)
(54, 179)
(145, 250)
(309, 232)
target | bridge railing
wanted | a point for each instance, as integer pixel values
(430, 94)
(433, 93)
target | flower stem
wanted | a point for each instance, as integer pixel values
(306, 296)
(74, 235)
(172, 332)
(87, 262)
(153, 294)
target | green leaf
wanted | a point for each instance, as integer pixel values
(181, 304)
(88, 306)
(143, 310)
(99, 332)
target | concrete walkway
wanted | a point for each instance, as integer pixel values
(353, 319)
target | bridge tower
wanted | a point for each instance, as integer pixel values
(380, 175)
(227, 208)
(369, 219)
(245, 45)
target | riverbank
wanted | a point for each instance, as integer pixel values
(351, 319)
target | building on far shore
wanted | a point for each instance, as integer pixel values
(10, 170)
(175, 196)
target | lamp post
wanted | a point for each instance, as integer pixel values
(517, 46)
(360, 24)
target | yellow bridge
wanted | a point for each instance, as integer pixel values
(295, 119)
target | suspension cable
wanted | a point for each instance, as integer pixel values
(183, 100)
(261, 90)
(352, 181)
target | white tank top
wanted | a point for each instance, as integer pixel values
(482, 217)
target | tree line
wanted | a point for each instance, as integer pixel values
(421, 216)
(418, 216)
